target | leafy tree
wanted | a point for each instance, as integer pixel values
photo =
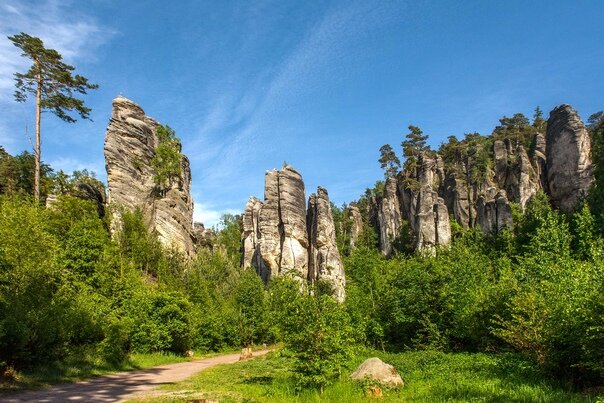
(389, 162)
(317, 331)
(52, 83)
(166, 162)
(250, 299)
(17, 173)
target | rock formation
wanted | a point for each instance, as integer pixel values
(419, 204)
(389, 216)
(568, 158)
(356, 224)
(324, 262)
(479, 193)
(280, 237)
(130, 143)
(494, 215)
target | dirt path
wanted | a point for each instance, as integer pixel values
(123, 385)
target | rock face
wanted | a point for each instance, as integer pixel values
(479, 193)
(356, 228)
(494, 215)
(130, 144)
(568, 158)
(378, 371)
(389, 216)
(514, 172)
(280, 237)
(324, 262)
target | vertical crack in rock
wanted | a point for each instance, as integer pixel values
(130, 144)
(568, 158)
(324, 259)
(288, 239)
(389, 216)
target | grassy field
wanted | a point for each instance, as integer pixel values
(80, 366)
(429, 377)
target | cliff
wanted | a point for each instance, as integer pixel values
(281, 237)
(131, 141)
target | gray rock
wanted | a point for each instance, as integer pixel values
(389, 216)
(540, 162)
(376, 370)
(356, 228)
(568, 158)
(281, 238)
(130, 143)
(427, 212)
(204, 237)
(249, 236)
(324, 262)
(494, 215)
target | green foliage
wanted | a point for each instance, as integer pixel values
(318, 332)
(161, 322)
(229, 237)
(413, 147)
(167, 161)
(518, 128)
(429, 377)
(52, 77)
(250, 301)
(389, 162)
(17, 175)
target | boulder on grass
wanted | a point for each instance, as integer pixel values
(377, 370)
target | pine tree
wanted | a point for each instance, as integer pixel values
(538, 122)
(389, 161)
(414, 145)
(52, 83)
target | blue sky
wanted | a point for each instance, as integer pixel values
(322, 85)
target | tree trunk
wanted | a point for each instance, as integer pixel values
(38, 146)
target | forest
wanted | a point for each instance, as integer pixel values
(74, 292)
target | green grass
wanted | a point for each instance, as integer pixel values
(429, 377)
(81, 365)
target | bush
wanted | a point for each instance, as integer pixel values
(318, 333)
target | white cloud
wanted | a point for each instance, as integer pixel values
(323, 50)
(209, 215)
(68, 165)
(72, 34)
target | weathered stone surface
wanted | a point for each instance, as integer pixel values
(249, 237)
(275, 238)
(568, 158)
(457, 195)
(389, 216)
(204, 237)
(324, 262)
(514, 172)
(494, 215)
(427, 212)
(356, 228)
(540, 162)
(130, 144)
(292, 211)
(281, 238)
(378, 371)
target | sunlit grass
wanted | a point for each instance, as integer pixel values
(429, 377)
